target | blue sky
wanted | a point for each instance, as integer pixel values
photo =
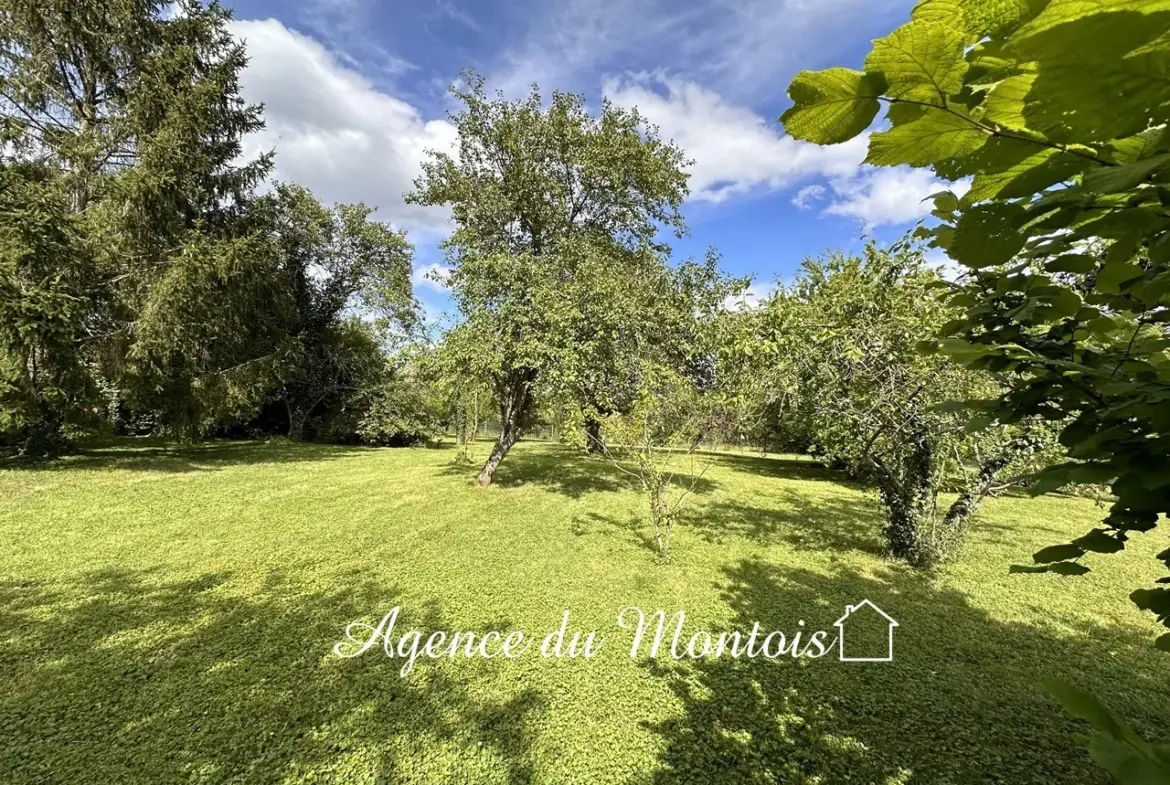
(356, 92)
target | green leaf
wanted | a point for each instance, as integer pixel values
(832, 106)
(1049, 480)
(977, 18)
(1115, 179)
(936, 136)
(1004, 105)
(1163, 642)
(986, 235)
(1071, 263)
(1088, 89)
(978, 423)
(1012, 168)
(1083, 706)
(1127, 763)
(1114, 274)
(921, 61)
(1057, 553)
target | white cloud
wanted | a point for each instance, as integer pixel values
(431, 276)
(807, 195)
(745, 49)
(333, 131)
(947, 267)
(887, 196)
(735, 151)
(750, 298)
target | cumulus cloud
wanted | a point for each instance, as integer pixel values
(745, 49)
(807, 195)
(887, 196)
(431, 276)
(334, 132)
(735, 151)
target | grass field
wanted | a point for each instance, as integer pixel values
(167, 616)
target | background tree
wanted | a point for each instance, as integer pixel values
(137, 114)
(1059, 110)
(44, 280)
(656, 440)
(538, 194)
(334, 262)
(841, 361)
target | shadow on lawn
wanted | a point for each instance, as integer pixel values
(128, 678)
(957, 705)
(152, 455)
(566, 471)
(835, 523)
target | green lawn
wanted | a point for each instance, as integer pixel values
(167, 616)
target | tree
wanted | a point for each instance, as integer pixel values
(541, 196)
(333, 261)
(134, 107)
(44, 278)
(1059, 111)
(656, 441)
(840, 358)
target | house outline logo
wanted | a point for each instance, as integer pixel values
(840, 625)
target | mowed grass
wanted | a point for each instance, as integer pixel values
(167, 616)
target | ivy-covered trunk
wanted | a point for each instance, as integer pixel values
(906, 486)
(514, 394)
(594, 443)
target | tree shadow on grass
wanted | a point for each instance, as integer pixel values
(565, 471)
(127, 677)
(152, 455)
(835, 523)
(785, 467)
(957, 704)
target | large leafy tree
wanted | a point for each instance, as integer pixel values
(549, 202)
(837, 369)
(44, 280)
(1058, 110)
(133, 107)
(333, 262)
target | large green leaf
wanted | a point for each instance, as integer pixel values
(921, 61)
(1115, 179)
(978, 18)
(1087, 87)
(1013, 168)
(1004, 105)
(832, 106)
(986, 235)
(938, 135)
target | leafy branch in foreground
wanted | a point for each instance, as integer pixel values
(1058, 113)
(1113, 745)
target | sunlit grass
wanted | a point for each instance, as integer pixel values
(168, 616)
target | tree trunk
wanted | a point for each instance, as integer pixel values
(907, 492)
(296, 421)
(515, 398)
(499, 450)
(950, 533)
(594, 443)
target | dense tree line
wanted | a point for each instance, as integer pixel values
(142, 272)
